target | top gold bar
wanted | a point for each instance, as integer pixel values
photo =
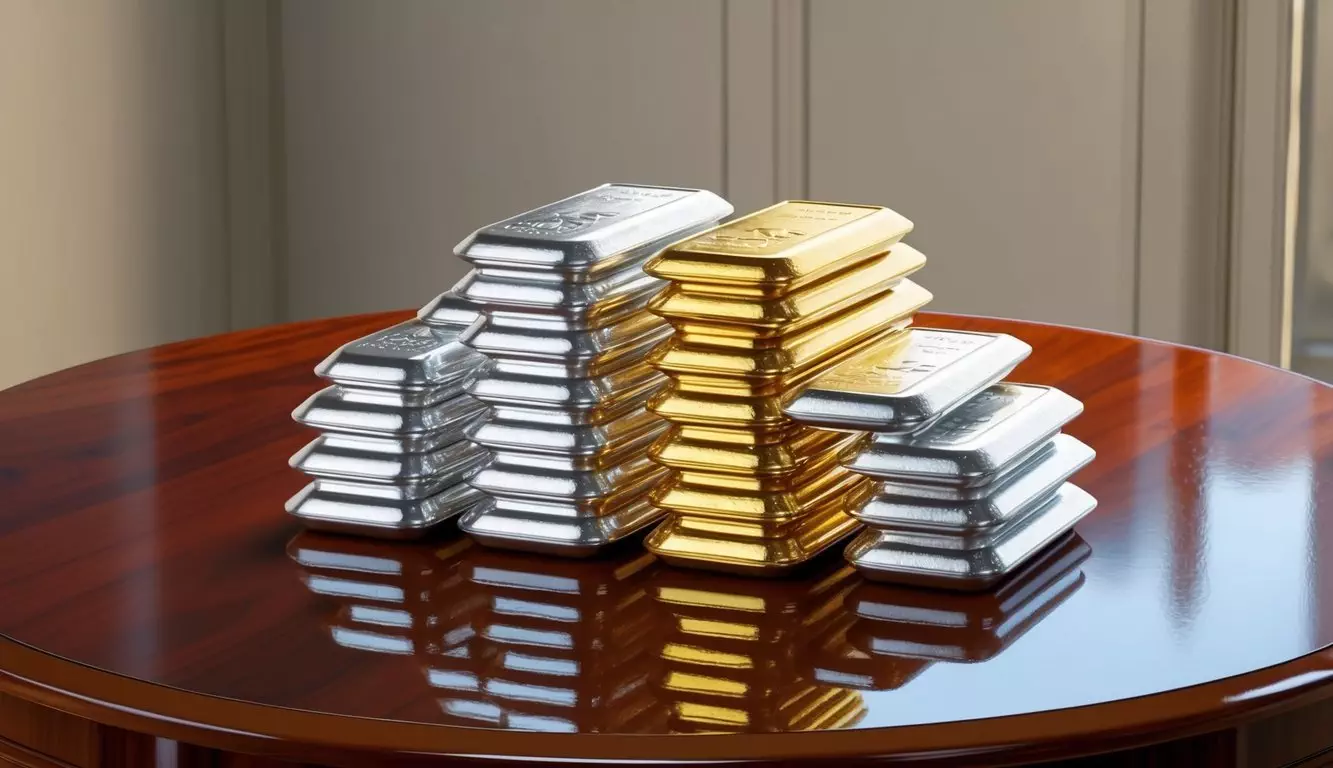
(782, 247)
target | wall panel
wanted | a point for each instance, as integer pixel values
(410, 124)
(1007, 131)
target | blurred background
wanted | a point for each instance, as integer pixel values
(174, 168)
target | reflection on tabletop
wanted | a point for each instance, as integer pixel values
(625, 644)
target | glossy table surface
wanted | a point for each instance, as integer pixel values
(149, 577)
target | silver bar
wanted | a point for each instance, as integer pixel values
(321, 506)
(899, 506)
(573, 369)
(902, 387)
(591, 304)
(449, 310)
(375, 413)
(500, 388)
(502, 478)
(408, 357)
(551, 528)
(880, 558)
(358, 459)
(555, 345)
(595, 230)
(971, 444)
(567, 441)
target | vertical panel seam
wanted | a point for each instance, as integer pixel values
(1137, 208)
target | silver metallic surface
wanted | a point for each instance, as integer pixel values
(556, 345)
(638, 475)
(573, 369)
(325, 505)
(408, 357)
(899, 506)
(449, 310)
(973, 443)
(934, 371)
(371, 460)
(500, 388)
(569, 300)
(566, 441)
(596, 230)
(379, 413)
(554, 528)
(880, 555)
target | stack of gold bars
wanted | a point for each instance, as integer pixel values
(760, 306)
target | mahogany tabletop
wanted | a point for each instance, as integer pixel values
(150, 580)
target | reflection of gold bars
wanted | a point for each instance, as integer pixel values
(761, 306)
(732, 654)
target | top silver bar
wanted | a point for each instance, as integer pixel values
(408, 357)
(595, 230)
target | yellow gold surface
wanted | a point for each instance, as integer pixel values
(678, 453)
(718, 409)
(797, 310)
(783, 246)
(805, 348)
(820, 529)
(785, 386)
(687, 498)
(812, 470)
(747, 435)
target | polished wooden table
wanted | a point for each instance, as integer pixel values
(158, 607)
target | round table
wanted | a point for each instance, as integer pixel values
(156, 604)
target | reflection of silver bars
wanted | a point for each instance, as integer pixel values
(393, 459)
(973, 473)
(909, 623)
(536, 631)
(559, 294)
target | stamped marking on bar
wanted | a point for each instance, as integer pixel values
(894, 368)
(979, 414)
(589, 210)
(406, 340)
(771, 232)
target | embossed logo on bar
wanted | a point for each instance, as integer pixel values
(403, 341)
(978, 415)
(893, 368)
(587, 211)
(771, 232)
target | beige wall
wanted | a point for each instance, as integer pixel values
(111, 214)
(1013, 132)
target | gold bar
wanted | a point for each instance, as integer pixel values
(782, 247)
(746, 435)
(691, 499)
(815, 532)
(781, 458)
(805, 348)
(794, 312)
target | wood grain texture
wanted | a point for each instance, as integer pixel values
(150, 582)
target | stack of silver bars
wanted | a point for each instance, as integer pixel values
(393, 458)
(516, 403)
(972, 471)
(562, 295)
